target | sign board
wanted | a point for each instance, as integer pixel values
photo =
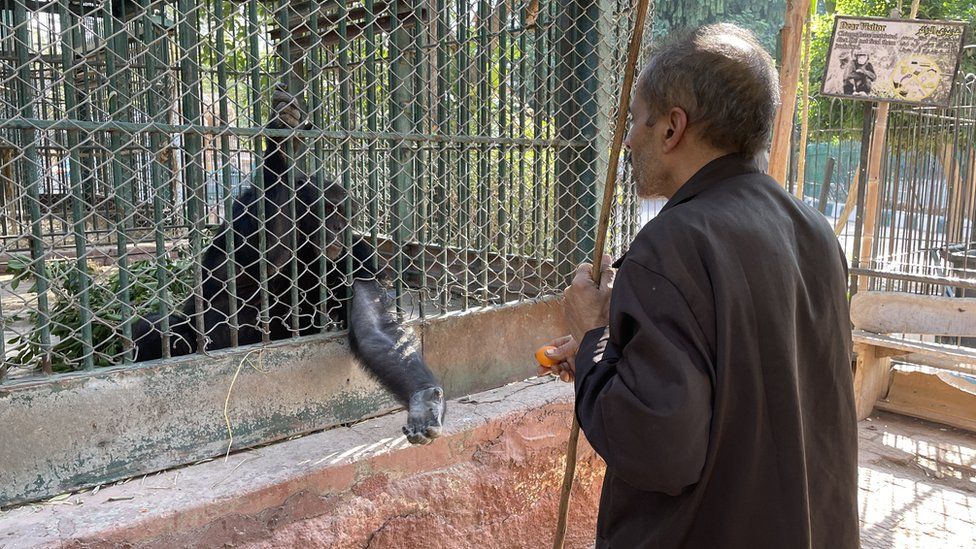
(898, 60)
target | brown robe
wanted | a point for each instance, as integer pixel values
(721, 393)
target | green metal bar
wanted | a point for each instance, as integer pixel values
(106, 167)
(551, 162)
(441, 197)
(576, 117)
(289, 75)
(400, 97)
(564, 214)
(86, 111)
(77, 200)
(156, 50)
(255, 69)
(523, 98)
(485, 198)
(6, 203)
(190, 82)
(371, 107)
(421, 176)
(318, 121)
(33, 179)
(118, 80)
(48, 111)
(224, 113)
(538, 183)
(464, 128)
(154, 127)
(504, 176)
(345, 93)
(587, 183)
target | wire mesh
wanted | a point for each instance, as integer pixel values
(925, 235)
(472, 135)
(925, 208)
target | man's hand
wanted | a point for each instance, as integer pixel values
(565, 356)
(587, 306)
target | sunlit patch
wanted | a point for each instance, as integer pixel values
(726, 41)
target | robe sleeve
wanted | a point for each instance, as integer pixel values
(643, 385)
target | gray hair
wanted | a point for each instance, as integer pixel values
(723, 79)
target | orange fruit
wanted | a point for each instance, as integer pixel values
(542, 359)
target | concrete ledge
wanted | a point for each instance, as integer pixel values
(82, 430)
(492, 481)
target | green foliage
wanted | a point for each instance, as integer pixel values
(761, 17)
(105, 287)
(822, 26)
(764, 28)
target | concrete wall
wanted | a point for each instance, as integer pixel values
(89, 429)
(492, 480)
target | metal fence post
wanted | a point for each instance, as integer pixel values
(32, 178)
(576, 178)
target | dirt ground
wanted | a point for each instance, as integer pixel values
(917, 484)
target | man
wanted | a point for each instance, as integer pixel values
(717, 383)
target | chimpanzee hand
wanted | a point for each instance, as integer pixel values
(286, 110)
(425, 416)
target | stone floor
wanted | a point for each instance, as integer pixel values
(917, 484)
(917, 489)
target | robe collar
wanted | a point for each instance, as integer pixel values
(723, 167)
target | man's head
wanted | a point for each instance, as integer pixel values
(703, 94)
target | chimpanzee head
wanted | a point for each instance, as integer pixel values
(148, 337)
(340, 210)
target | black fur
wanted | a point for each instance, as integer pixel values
(379, 342)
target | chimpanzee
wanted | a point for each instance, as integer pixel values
(386, 350)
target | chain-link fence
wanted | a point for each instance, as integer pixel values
(926, 208)
(470, 135)
(924, 228)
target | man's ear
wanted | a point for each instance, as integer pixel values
(677, 125)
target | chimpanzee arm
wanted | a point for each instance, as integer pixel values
(286, 113)
(391, 353)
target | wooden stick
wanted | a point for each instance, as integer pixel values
(609, 188)
(567, 487)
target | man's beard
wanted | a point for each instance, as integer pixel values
(650, 182)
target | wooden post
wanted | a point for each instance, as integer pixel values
(792, 35)
(886, 312)
(940, 397)
(825, 188)
(801, 163)
(849, 204)
(954, 209)
(871, 379)
(875, 157)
